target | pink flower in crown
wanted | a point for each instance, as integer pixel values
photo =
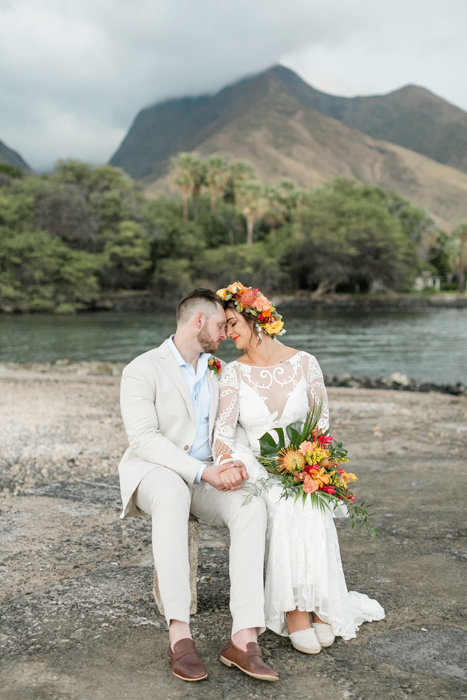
(262, 303)
(248, 296)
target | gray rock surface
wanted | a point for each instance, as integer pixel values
(78, 617)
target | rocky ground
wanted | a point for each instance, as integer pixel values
(78, 618)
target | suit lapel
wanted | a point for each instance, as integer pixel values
(213, 380)
(173, 370)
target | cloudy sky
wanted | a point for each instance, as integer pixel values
(74, 73)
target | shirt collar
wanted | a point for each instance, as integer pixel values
(202, 361)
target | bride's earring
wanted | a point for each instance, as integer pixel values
(258, 332)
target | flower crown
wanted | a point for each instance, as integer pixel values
(255, 303)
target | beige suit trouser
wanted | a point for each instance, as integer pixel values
(167, 498)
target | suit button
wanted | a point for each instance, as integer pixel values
(187, 447)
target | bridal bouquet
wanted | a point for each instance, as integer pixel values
(307, 463)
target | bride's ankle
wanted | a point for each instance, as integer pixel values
(316, 618)
(297, 620)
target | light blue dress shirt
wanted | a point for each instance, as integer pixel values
(198, 386)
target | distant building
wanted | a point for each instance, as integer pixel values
(427, 280)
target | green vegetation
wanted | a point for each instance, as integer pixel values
(84, 232)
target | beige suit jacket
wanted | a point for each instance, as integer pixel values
(157, 412)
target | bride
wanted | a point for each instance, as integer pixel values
(270, 386)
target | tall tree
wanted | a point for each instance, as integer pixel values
(240, 173)
(189, 175)
(283, 199)
(217, 176)
(251, 200)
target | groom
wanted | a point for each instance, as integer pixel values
(169, 399)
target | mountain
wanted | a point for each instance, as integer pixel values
(412, 117)
(10, 157)
(269, 120)
(170, 127)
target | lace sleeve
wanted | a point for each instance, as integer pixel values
(317, 391)
(227, 415)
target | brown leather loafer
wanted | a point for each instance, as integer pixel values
(249, 661)
(185, 662)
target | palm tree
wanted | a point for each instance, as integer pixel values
(217, 176)
(283, 198)
(189, 175)
(182, 180)
(240, 172)
(251, 200)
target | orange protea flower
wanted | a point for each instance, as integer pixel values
(248, 297)
(309, 485)
(291, 461)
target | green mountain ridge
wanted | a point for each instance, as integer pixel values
(411, 116)
(285, 129)
(10, 157)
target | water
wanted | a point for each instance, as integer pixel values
(427, 345)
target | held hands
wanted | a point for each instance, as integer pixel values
(226, 477)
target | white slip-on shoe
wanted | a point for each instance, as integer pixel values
(324, 633)
(305, 641)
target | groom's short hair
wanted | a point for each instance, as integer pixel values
(200, 299)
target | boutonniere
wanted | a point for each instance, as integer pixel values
(215, 365)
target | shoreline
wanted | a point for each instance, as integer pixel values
(300, 300)
(90, 370)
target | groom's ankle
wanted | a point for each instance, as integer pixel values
(243, 637)
(178, 630)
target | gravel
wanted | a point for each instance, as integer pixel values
(78, 618)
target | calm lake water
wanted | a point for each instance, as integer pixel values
(428, 345)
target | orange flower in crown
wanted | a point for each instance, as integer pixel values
(252, 301)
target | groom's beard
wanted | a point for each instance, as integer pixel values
(206, 341)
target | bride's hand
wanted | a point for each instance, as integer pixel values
(225, 477)
(232, 477)
(228, 464)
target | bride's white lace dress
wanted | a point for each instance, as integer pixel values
(303, 564)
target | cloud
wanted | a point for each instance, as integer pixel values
(74, 73)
